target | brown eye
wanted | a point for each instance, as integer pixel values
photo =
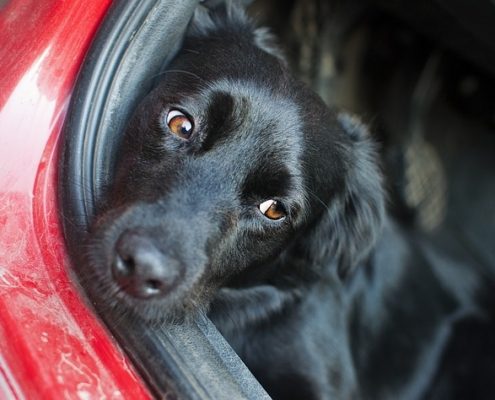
(272, 209)
(179, 124)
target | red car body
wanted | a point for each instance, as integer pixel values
(51, 344)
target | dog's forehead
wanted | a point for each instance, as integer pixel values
(258, 111)
(253, 133)
(264, 125)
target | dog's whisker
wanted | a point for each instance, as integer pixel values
(177, 71)
(315, 196)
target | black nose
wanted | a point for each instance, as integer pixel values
(140, 268)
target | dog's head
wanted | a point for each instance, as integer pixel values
(229, 165)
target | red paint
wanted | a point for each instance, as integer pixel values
(51, 345)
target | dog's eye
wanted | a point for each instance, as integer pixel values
(179, 124)
(272, 209)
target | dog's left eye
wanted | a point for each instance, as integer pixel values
(179, 124)
(273, 209)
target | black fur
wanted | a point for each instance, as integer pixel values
(304, 301)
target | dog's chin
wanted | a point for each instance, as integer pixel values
(177, 306)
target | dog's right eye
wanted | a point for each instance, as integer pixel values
(179, 124)
(272, 209)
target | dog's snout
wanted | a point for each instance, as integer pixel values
(141, 269)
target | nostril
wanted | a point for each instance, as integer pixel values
(154, 284)
(124, 266)
(154, 287)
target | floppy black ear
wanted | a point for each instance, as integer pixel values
(353, 220)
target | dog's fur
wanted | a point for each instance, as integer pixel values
(307, 306)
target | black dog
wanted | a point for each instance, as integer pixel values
(239, 193)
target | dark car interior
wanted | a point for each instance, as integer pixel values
(420, 74)
(422, 77)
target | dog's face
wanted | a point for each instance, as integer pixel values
(227, 165)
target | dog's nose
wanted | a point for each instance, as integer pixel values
(140, 268)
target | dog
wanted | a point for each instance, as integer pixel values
(240, 194)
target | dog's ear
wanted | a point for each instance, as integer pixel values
(360, 221)
(266, 41)
(217, 15)
(354, 218)
(211, 16)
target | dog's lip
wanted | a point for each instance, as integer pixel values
(148, 290)
(178, 288)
